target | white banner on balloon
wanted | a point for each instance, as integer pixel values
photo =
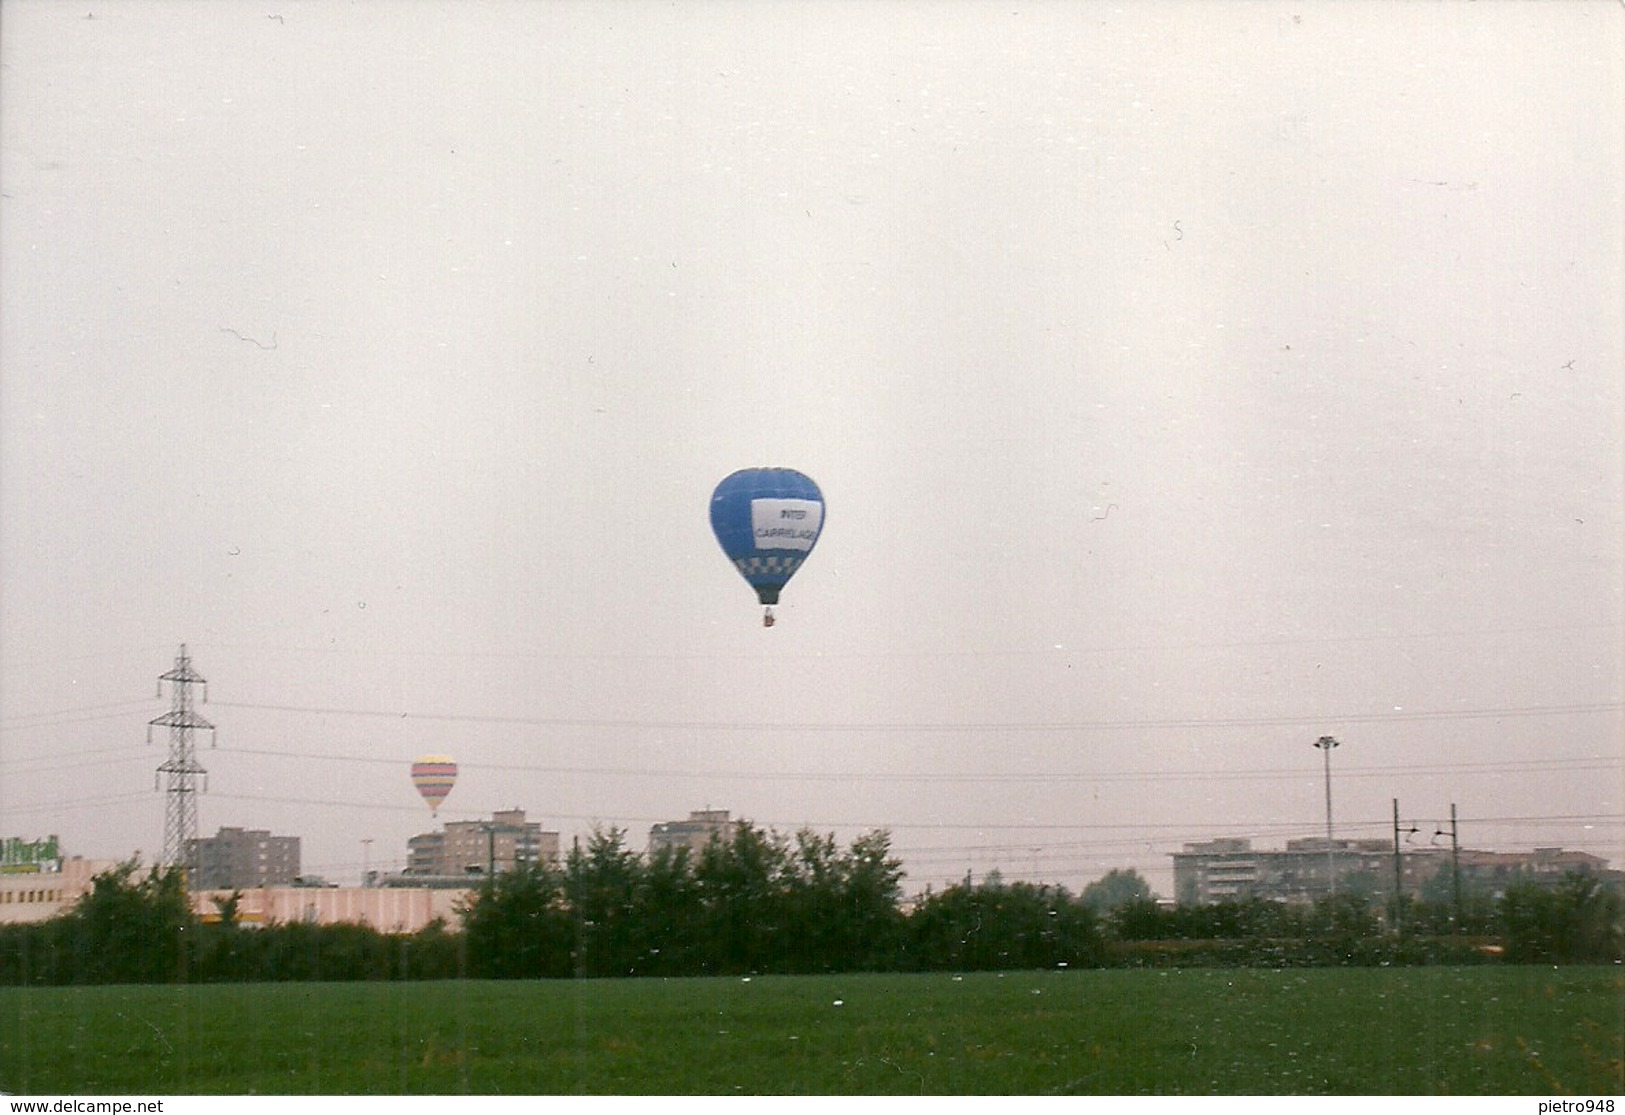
(785, 524)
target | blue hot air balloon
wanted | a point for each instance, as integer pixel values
(767, 521)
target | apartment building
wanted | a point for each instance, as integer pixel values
(237, 858)
(702, 827)
(1233, 870)
(469, 848)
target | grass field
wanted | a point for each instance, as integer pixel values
(1417, 1031)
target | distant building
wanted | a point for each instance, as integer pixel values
(468, 848)
(239, 858)
(702, 827)
(32, 895)
(1492, 872)
(1230, 869)
(38, 883)
(388, 910)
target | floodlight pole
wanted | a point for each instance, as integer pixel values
(1325, 744)
(1455, 866)
(1399, 878)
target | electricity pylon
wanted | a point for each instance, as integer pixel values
(186, 775)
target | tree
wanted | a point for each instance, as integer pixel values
(668, 911)
(740, 886)
(229, 907)
(1114, 889)
(1436, 908)
(995, 926)
(219, 955)
(814, 882)
(1141, 919)
(602, 883)
(840, 908)
(1342, 917)
(130, 929)
(870, 902)
(517, 926)
(1578, 921)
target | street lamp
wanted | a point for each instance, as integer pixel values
(1325, 744)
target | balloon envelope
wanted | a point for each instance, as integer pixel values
(434, 776)
(767, 521)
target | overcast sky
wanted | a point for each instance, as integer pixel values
(1185, 382)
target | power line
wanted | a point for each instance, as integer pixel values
(47, 719)
(126, 706)
(1045, 651)
(27, 762)
(1041, 777)
(76, 803)
(1112, 835)
(1198, 831)
(943, 727)
(20, 769)
(29, 765)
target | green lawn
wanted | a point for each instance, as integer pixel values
(1480, 1030)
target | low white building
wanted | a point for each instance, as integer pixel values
(41, 891)
(44, 890)
(386, 909)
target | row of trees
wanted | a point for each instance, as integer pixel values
(763, 902)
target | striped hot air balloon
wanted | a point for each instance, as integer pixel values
(434, 776)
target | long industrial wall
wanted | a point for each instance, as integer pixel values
(41, 895)
(386, 909)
